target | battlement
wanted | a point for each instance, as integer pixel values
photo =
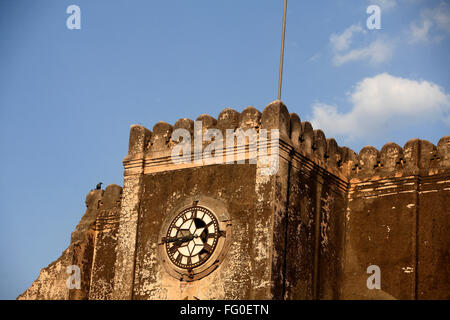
(416, 157)
(309, 231)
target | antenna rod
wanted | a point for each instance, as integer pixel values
(280, 80)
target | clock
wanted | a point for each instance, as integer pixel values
(194, 238)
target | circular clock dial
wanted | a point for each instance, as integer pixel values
(192, 237)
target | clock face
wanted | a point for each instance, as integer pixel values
(192, 237)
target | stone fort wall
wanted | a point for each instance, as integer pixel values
(308, 232)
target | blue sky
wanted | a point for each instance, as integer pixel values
(68, 97)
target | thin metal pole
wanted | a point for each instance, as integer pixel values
(280, 79)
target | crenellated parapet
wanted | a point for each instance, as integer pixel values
(309, 231)
(150, 149)
(340, 204)
(416, 157)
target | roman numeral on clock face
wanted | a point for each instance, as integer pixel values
(207, 247)
(173, 249)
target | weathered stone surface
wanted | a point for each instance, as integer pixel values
(433, 238)
(106, 233)
(307, 138)
(207, 121)
(391, 157)
(276, 116)
(301, 235)
(296, 130)
(380, 230)
(185, 123)
(139, 140)
(444, 151)
(126, 240)
(319, 146)
(228, 119)
(52, 281)
(232, 280)
(310, 231)
(160, 139)
(250, 118)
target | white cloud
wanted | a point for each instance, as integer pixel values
(391, 4)
(433, 25)
(381, 102)
(314, 57)
(420, 33)
(440, 16)
(342, 41)
(384, 4)
(377, 52)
